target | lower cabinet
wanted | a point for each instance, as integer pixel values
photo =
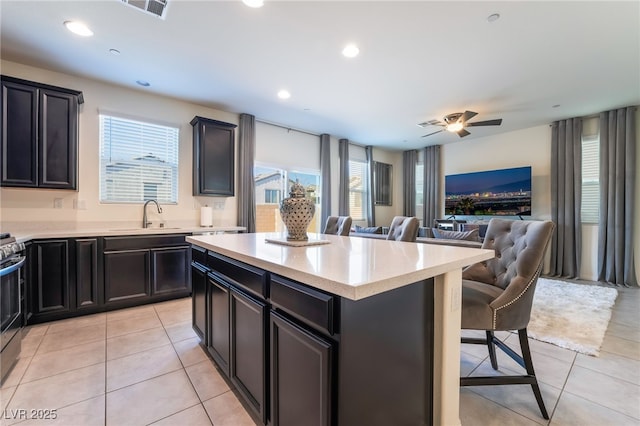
(219, 343)
(51, 286)
(248, 350)
(141, 269)
(199, 301)
(301, 365)
(281, 363)
(87, 286)
(134, 284)
(75, 276)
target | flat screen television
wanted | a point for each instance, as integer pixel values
(504, 192)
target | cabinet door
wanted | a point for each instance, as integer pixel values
(214, 153)
(87, 273)
(247, 372)
(301, 384)
(170, 270)
(219, 338)
(126, 276)
(58, 136)
(51, 287)
(19, 135)
(199, 301)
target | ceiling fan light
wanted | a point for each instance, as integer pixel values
(454, 127)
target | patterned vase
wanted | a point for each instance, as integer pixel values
(297, 212)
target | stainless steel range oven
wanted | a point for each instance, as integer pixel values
(12, 261)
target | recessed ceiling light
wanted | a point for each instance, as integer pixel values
(114, 51)
(350, 51)
(284, 94)
(254, 3)
(143, 83)
(493, 17)
(78, 28)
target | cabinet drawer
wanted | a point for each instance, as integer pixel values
(199, 255)
(249, 278)
(310, 306)
(134, 242)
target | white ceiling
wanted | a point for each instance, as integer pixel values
(419, 60)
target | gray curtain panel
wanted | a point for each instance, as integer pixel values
(371, 209)
(325, 178)
(343, 189)
(432, 208)
(566, 196)
(409, 161)
(246, 186)
(617, 192)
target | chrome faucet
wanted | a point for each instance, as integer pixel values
(145, 222)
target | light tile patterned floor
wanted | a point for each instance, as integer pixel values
(135, 366)
(144, 366)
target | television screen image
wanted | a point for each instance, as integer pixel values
(504, 192)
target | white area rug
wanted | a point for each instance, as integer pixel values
(572, 316)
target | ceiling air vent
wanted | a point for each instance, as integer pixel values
(153, 7)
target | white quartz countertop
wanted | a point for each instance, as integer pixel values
(351, 267)
(72, 232)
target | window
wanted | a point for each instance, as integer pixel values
(138, 161)
(272, 196)
(271, 185)
(590, 208)
(358, 189)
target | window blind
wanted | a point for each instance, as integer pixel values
(138, 161)
(590, 205)
(357, 189)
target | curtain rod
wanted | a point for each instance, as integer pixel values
(286, 127)
(597, 115)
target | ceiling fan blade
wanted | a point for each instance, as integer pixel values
(462, 133)
(436, 123)
(486, 123)
(424, 136)
(467, 115)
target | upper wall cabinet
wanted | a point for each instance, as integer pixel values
(213, 157)
(39, 135)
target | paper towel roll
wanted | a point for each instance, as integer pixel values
(206, 216)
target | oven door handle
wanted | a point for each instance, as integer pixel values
(13, 267)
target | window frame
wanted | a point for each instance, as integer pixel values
(148, 147)
(590, 175)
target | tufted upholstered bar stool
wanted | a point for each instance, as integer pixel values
(403, 228)
(497, 295)
(338, 225)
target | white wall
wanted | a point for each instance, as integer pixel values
(275, 145)
(26, 205)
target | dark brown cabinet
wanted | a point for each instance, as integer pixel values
(39, 135)
(248, 344)
(213, 157)
(86, 260)
(301, 365)
(219, 344)
(63, 279)
(199, 293)
(51, 287)
(126, 276)
(141, 269)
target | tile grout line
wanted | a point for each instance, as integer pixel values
(184, 369)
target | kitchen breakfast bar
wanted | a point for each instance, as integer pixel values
(346, 331)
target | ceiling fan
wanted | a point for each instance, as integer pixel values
(457, 122)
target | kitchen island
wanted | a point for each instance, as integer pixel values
(355, 331)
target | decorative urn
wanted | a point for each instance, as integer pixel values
(297, 212)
